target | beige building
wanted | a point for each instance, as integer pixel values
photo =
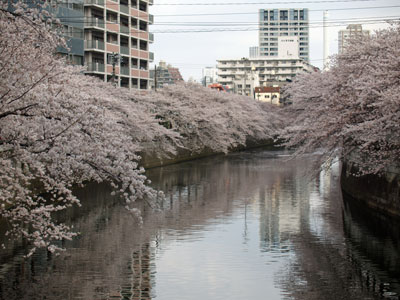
(268, 94)
(352, 31)
(116, 41)
(244, 75)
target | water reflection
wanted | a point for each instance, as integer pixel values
(246, 226)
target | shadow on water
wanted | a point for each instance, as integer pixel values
(244, 226)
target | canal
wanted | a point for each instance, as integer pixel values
(249, 225)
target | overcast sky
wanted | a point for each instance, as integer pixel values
(191, 51)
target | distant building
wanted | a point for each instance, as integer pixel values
(209, 75)
(352, 31)
(244, 75)
(288, 23)
(254, 52)
(288, 47)
(165, 74)
(269, 94)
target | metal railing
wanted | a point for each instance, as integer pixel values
(94, 44)
(151, 37)
(124, 29)
(125, 70)
(94, 2)
(95, 67)
(94, 22)
(151, 56)
(124, 50)
(124, 9)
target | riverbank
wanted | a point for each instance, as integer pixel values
(378, 192)
(151, 160)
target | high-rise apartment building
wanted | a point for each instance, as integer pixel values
(352, 31)
(165, 74)
(111, 38)
(288, 22)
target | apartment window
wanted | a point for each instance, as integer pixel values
(143, 64)
(112, 38)
(143, 84)
(134, 43)
(111, 17)
(143, 6)
(283, 15)
(142, 45)
(134, 63)
(143, 25)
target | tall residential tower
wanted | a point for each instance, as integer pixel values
(287, 22)
(351, 32)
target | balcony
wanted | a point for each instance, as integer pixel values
(94, 2)
(94, 22)
(94, 44)
(124, 50)
(125, 70)
(151, 37)
(124, 9)
(151, 19)
(124, 29)
(151, 56)
(95, 67)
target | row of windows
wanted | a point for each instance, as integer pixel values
(285, 34)
(284, 24)
(284, 28)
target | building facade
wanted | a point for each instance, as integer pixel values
(165, 74)
(352, 31)
(254, 52)
(209, 75)
(111, 38)
(268, 94)
(244, 75)
(289, 22)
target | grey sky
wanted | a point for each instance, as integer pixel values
(190, 52)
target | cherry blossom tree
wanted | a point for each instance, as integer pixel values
(60, 128)
(352, 109)
(208, 120)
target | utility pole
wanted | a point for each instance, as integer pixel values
(155, 78)
(115, 57)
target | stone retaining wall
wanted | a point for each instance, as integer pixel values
(381, 193)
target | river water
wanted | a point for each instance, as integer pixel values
(250, 225)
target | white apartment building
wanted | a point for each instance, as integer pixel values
(254, 52)
(209, 75)
(118, 27)
(244, 75)
(352, 31)
(287, 22)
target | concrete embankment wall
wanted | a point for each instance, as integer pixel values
(151, 160)
(381, 193)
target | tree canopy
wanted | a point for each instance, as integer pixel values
(60, 129)
(354, 107)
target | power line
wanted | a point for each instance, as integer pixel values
(256, 13)
(383, 18)
(260, 3)
(230, 29)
